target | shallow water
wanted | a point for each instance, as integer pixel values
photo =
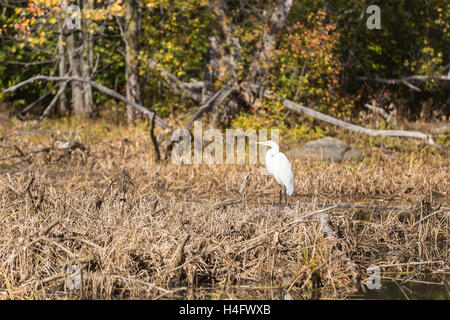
(434, 289)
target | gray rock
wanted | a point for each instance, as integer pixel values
(327, 148)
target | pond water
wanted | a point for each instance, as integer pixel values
(430, 287)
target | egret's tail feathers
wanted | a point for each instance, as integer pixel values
(290, 190)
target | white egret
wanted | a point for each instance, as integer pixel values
(278, 165)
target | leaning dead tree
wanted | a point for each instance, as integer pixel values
(99, 87)
(151, 114)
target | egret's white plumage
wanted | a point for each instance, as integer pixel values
(278, 165)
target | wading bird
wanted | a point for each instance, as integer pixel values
(278, 165)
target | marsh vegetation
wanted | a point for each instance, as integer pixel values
(154, 230)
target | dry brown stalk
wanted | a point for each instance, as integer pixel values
(344, 217)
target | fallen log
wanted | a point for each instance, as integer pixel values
(340, 123)
(353, 127)
(24, 154)
(60, 144)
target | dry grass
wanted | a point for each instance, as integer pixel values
(158, 231)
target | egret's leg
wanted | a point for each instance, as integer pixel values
(281, 193)
(285, 194)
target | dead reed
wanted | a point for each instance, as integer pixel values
(146, 230)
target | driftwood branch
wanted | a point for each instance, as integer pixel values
(353, 127)
(180, 255)
(359, 206)
(346, 125)
(406, 80)
(244, 183)
(96, 85)
(328, 231)
(224, 204)
(60, 144)
(24, 154)
(65, 144)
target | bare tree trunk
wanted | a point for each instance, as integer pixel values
(264, 55)
(75, 66)
(131, 34)
(62, 107)
(223, 57)
(224, 52)
(86, 62)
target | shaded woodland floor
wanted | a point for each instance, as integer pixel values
(162, 231)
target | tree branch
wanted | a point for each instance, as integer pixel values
(96, 85)
(175, 84)
(52, 103)
(32, 63)
(212, 102)
(406, 80)
(36, 102)
(153, 138)
(378, 110)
